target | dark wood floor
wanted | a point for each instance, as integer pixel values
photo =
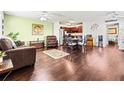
(82, 64)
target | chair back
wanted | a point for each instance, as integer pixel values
(100, 41)
(89, 41)
(100, 38)
(69, 40)
(51, 41)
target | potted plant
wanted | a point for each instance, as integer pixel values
(2, 54)
(13, 36)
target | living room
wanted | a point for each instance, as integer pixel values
(61, 45)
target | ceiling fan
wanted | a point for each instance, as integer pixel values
(114, 14)
(49, 15)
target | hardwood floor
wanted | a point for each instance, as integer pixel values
(82, 64)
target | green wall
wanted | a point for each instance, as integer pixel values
(24, 27)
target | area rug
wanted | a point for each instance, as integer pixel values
(56, 54)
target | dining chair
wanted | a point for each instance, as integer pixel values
(70, 43)
(80, 41)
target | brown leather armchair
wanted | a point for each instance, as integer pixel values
(51, 41)
(21, 57)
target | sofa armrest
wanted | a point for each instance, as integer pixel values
(19, 49)
(21, 57)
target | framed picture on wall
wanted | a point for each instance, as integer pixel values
(37, 29)
(112, 30)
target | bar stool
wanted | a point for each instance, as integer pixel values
(100, 41)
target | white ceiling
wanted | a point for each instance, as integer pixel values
(53, 16)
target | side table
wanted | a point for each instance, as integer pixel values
(37, 44)
(6, 67)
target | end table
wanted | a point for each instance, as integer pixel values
(7, 66)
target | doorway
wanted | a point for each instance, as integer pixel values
(112, 34)
(73, 29)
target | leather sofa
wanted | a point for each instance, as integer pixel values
(21, 57)
(51, 41)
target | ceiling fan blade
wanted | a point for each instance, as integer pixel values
(58, 15)
(120, 16)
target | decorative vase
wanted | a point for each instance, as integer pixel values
(1, 60)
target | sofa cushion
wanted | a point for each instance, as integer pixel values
(5, 44)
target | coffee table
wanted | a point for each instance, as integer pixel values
(6, 67)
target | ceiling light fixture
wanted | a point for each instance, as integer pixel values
(44, 16)
(111, 17)
(71, 21)
(43, 19)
